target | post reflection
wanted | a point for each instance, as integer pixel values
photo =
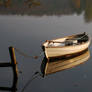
(53, 66)
(13, 88)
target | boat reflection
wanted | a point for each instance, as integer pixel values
(49, 67)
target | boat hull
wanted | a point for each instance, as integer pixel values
(52, 52)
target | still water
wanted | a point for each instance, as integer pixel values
(26, 24)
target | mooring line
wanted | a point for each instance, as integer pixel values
(26, 55)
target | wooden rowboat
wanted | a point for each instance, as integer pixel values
(57, 65)
(66, 46)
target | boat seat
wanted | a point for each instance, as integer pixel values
(84, 39)
(56, 44)
(70, 42)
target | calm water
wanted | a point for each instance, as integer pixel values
(26, 24)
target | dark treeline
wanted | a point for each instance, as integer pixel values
(47, 7)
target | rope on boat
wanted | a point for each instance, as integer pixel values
(26, 55)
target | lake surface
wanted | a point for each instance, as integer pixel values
(26, 24)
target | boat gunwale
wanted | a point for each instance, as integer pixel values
(89, 39)
(67, 46)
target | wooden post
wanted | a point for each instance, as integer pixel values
(13, 62)
(14, 68)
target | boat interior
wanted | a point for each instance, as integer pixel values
(68, 41)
